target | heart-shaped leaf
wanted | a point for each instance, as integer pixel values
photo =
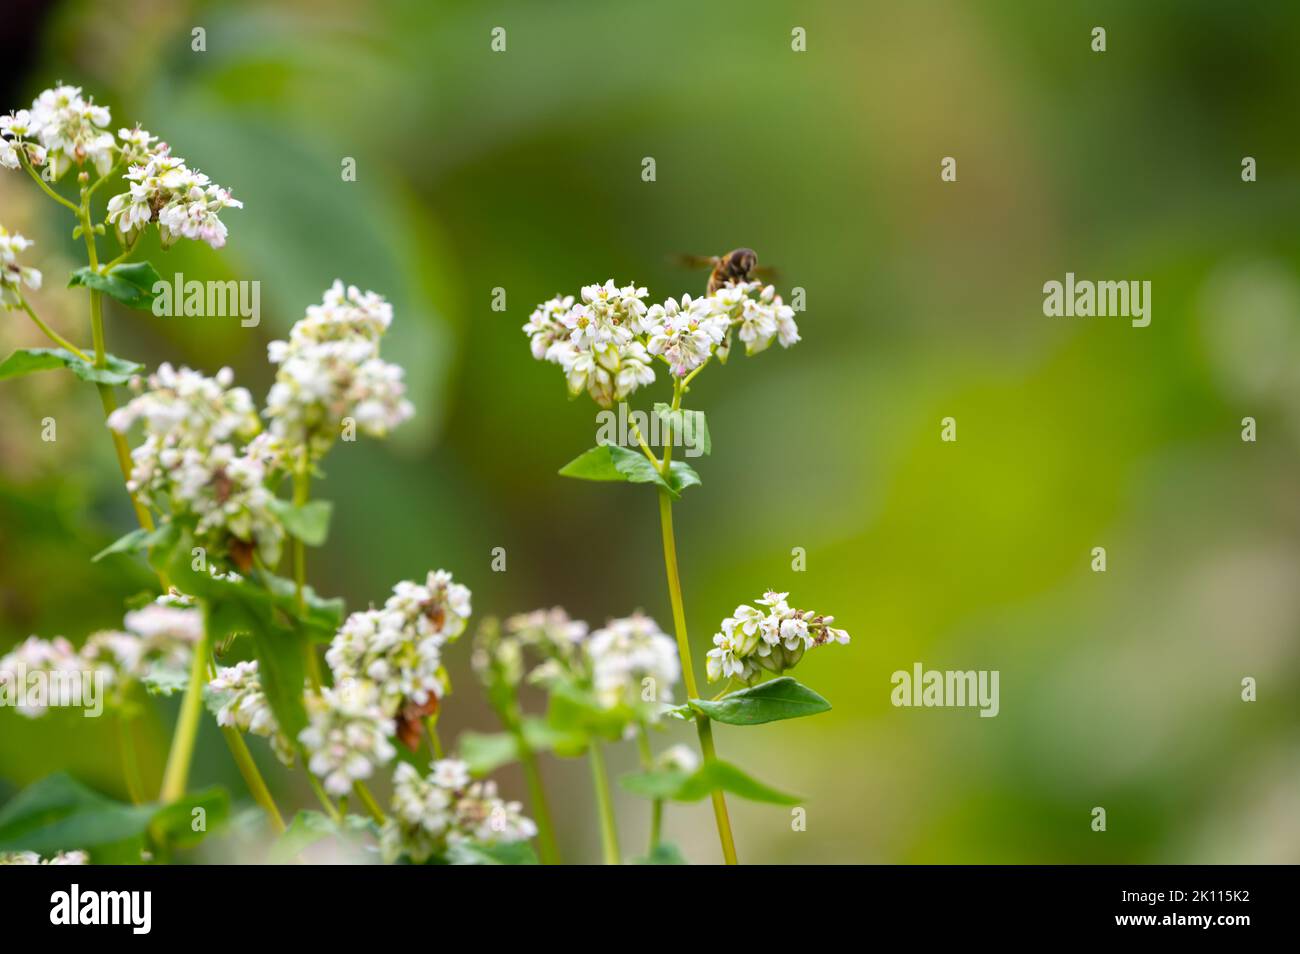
(132, 283)
(782, 698)
(29, 360)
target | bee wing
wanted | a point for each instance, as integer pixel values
(695, 261)
(767, 272)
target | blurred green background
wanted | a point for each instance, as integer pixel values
(521, 170)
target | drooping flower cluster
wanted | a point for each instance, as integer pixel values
(32, 858)
(606, 343)
(399, 647)
(330, 373)
(348, 735)
(184, 202)
(65, 130)
(189, 466)
(771, 639)
(433, 813)
(12, 275)
(236, 696)
(633, 664)
(157, 641)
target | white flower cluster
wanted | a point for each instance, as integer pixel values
(161, 635)
(62, 129)
(399, 648)
(433, 812)
(235, 695)
(773, 639)
(12, 275)
(189, 465)
(633, 663)
(605, 344)
(185, 203)
(348, 735)
(32, 858)
(550, 635)
(330, 371)
(678, 758)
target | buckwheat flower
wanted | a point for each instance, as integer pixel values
(348, 735)
(185, 203)
(686, 334)
(545, 327)
(611, 314)
(548, 635)
(236, 697)
(32, 858)
(159, 638)
(773, 638)
(433, 813)
(399, 647)
(12, 275)
(608, 374)
(678, 758)
(330, 372)
(34, 655)
(137, 145)
(71, 128)
(18, 136)
(632, 663)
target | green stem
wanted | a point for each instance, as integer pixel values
(605, 805)
(252, 777)
(435, 743)
(537, 793)
(368, 800)
(45, 187)
(177, 771)
(130, 764)
(702, 724)
(50, 332)
(301, 493)
(323, 798)
(656, 805)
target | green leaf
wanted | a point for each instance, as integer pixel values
(782, 698)
(162, 681)
(309, 522)
(305, 830)
(179, 822)
(58, 813)
(132, 283)
(660, 784)
(665, 853)
(680, 476)
(485, 752)
(717, 774)
(136, 541)
(479, 853)
(28, 360)
(574, 709)
(691, 425)
(609, 462)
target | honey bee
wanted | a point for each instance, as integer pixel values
(736, 267)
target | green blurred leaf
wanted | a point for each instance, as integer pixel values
(782, 698)
(505, 853)
(656, 784)
(665, 853)
(136, 541)
(309, 522)
(717, 774)
(131, 284)
(162, 681)
(28, 360)
(58, 813)
(485, 752)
